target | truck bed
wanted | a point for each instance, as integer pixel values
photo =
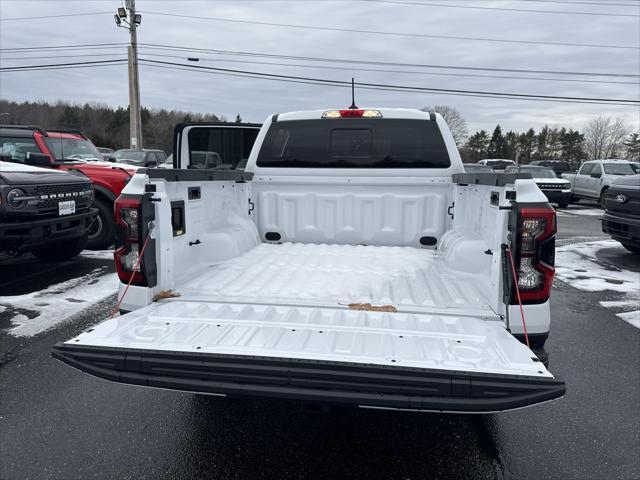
(407, 278)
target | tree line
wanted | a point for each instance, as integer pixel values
(105, 126)
(604, 137)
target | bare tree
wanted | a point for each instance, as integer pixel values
(453, 117)
(604, 137)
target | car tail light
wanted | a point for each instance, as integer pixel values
(352, 113)
(535, 252)
(129, 245)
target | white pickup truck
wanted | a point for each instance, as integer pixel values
(596, 176)
(351, 262)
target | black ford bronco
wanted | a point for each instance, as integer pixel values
(43, 211)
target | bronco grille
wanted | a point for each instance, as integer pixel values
(552, 186)
(51, 195)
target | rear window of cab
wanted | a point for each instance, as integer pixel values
(354, 143)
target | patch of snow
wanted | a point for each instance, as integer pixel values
(631, 317)
(578, 266)
(589, 212)
(100, 254)
(58, 302)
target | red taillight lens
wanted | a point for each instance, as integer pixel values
(536, 246)
(128, 220)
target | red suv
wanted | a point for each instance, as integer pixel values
(71, 150)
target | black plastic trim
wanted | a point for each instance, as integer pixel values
(432, 116)
(312, 380)
(172, 175)
(492, 179)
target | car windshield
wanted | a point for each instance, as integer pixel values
(621, 168)
(538, 172)
(499, 164)
(18, 147)
(136, 155)
(72, 149)
(474, 168)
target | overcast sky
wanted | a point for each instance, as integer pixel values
(254, 99)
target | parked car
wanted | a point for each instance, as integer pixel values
(139, 158)
(497, 164)
(477, 168)
(557, 190)
(560, 167)
(105, 152)
(352, 262)
(71, 150)
(43, 211)
(596, 176)
(621, 217)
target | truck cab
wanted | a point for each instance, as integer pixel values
(352, 262)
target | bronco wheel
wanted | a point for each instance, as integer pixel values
(59, 251)
(102, 230)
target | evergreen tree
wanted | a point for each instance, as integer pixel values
(238, 118)
(632, 145)
(477, 145)
(496, 148)
(526, 145)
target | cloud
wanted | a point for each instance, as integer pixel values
(255, 99)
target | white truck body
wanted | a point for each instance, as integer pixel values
(380, 287)
(595, 176)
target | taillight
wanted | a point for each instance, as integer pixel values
(129, 244)
(535, 252)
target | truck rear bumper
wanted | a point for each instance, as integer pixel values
(23, 235)
(343, 383)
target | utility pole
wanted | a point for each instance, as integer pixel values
(132, 20)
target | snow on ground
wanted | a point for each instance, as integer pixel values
(38, 311)
(632, 317)
(100, 254)
(578, 265)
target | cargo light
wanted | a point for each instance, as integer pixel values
(352, 113)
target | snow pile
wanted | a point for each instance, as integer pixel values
(578, 265)
(38, 311)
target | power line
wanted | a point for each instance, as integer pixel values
(329, 82)
(395, 34)
(179, 48)
(54, 16)
(507, 9)
(417, 89)
(394, 64)
(608, 4)
(327, 67)
(334, 83)
(29, 67)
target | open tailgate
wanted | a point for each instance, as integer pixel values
(363, 358)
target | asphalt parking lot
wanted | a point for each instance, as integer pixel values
(57, 423)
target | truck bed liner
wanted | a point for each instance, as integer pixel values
(333, 275)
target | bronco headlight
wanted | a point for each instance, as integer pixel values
(14, 198)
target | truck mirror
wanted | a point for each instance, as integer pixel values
(34, 158)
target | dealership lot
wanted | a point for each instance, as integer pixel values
(58, 423)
